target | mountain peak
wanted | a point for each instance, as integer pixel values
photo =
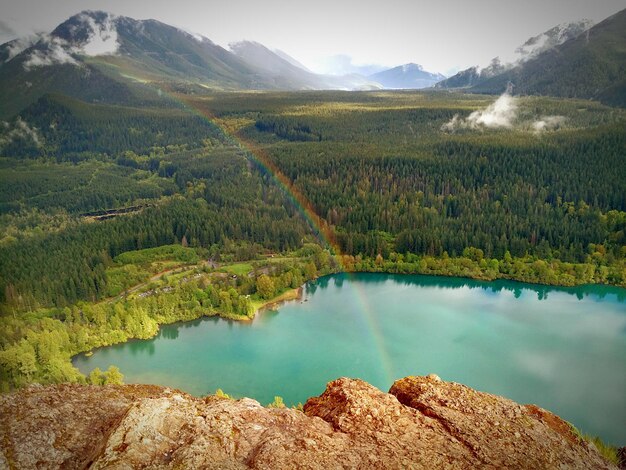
(552, 38)
(90, 32)
(409, 75)
(411, 67)
(532, 48)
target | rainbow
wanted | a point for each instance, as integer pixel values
(319, 225)
(260, 157)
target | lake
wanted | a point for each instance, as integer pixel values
(561, 348)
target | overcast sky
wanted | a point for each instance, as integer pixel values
(441, 35)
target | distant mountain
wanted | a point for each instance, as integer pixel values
(291, 60)
(281, 71)
(98, 57)
(551, 38)
(406, 76)
(284, 73)
(591, 65)
(530, 49)
(95, 56)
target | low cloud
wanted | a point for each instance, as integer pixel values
(19, 45)
(548, 123)
(503, 114)
(499, 114)
(102, 39)
(20, 130)
(342, 64)
(54, 51)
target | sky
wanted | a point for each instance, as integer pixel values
(443, 36)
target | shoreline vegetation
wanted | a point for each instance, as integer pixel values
(175, 283)
(273, 304)
(38, 345)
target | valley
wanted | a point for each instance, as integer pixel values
(207, 218)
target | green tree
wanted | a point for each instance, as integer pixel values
(265, 286)
(112, 376)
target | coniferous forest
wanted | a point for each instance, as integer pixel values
(116, 219)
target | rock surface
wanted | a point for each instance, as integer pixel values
(422, 423)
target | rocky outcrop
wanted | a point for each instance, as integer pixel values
(422, 423)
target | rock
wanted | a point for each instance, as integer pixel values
(621, 457)
(423, 422)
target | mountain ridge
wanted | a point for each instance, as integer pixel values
(590, 65)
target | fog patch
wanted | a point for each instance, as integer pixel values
(19, 131)
(19, 45)
(548, 123)
(53, 52)
(499, 114)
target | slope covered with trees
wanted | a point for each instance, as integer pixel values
(106, 200)
(592, 65)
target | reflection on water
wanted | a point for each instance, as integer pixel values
(169, 333)
(561, 348)
(141, 347)
(599, 292)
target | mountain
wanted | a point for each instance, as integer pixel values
(284, 73)
(406, 76)
(291, 60)
(551, 38)
(280, 70)
(530, 49)
(98, 57)
(591, 65)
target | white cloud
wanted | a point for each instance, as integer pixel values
(102, 39)
(54, 51)
(19, 45)
(499, 114)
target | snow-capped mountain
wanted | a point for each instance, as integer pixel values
(530, 49)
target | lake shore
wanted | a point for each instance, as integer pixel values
(271, 304)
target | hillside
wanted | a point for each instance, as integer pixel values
(566, 61)
(101, 58)
(98, 57)
(422, 422)
(592, 65)
(283, 73)
(530, 49)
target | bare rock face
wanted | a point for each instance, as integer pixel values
(422, 423)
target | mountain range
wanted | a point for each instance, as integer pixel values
(407, 76)
(101, 58)
(571, 61)
(98, 57)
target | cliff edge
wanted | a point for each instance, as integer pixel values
(423, 422)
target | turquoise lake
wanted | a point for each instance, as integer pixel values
(561, 348)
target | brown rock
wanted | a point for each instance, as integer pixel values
(498, 431)
(423, 423)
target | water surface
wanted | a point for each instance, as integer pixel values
(561, 348)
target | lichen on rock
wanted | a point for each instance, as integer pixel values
(423, 422)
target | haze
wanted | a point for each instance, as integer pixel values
(442, 36)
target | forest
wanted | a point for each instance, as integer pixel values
(97, 201)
